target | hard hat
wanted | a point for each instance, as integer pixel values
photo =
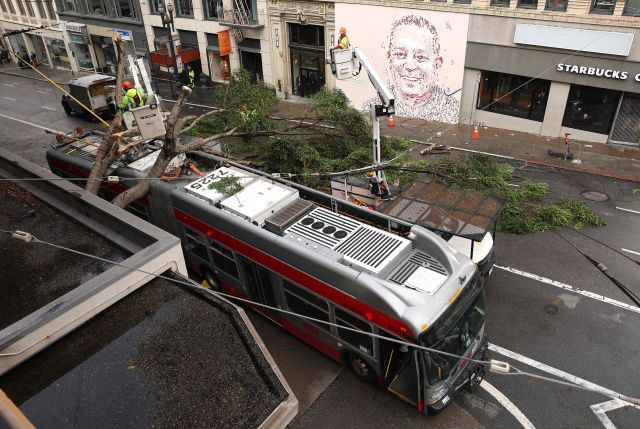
(343, 30)
(126, 85)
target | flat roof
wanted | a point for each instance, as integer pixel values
(115, 344)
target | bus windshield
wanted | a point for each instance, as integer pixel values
(455, 331)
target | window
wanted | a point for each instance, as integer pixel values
(631, 8)
(224, 259)
(590, 109)
(560, 5)
(3, 7)
(605, 7)
(41, 12)
(462, 1)
(126, 9)
(528, 4)
(184, 8)
(153, 4)
(513, 95)
(50, 11)
(501, 3)
(10, 6)
(211, 9)
(96, 7)
(308, 35)
(360, 341)
(21, 7)
(29, 8)
(305, 303)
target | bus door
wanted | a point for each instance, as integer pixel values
(260, 287)
(402, 375)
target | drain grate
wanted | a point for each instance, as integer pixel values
(595, 196)
(551, 309)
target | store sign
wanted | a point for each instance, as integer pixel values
(224, 39)
(596, 71)
(80, 30)
(124, 34)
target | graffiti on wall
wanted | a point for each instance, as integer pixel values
(419, 53)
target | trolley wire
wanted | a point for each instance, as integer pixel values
(495, 366)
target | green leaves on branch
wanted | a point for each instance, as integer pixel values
(524, 211)
(226, 186)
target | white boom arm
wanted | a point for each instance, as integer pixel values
(347, 63)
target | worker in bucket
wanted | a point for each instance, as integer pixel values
(132, 98)
(343, 40)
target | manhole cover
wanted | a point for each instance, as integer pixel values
(551, 309)
(595, 196)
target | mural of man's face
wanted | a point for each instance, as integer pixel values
(414, 64)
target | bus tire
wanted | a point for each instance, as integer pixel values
(361, 368)
(213, 281)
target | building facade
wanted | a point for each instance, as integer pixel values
(89, 27)
(556, 67)
(47, 43)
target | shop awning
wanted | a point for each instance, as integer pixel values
(187, 53)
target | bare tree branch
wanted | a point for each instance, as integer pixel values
(195, 121)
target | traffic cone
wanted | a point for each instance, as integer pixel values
(475, 135)
(392, 122)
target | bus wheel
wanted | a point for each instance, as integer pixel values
(213, 281)
(362, 369)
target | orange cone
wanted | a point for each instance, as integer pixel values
(392, 122)
(475, 135)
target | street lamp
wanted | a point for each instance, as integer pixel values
(166, 14)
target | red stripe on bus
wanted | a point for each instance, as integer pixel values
(81, 172)
(311, 339)
(330, 293)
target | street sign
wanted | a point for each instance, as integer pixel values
(124, 34)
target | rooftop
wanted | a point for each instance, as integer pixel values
(154, 351)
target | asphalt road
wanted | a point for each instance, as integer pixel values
(593, 338)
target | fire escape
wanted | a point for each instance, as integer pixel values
(238, 17)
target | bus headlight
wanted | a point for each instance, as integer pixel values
(437, 392)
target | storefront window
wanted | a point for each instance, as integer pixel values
(560, 5)
(58, 53)
(528, 4)
(631, 8)
(502, 3)
(590, 109)
(603, 6)
(81, 52)
(513, 95)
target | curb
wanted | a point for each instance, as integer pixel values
(550, 165)
(29, 77)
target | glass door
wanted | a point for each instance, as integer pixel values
(259, 285)
(402, 376)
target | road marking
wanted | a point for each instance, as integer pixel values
(574, 289)
(601, 409)
(8, 84)
(628, 210)
(507, 404)
(12, 99)
(42, 92)
(48, 108)
(32, 124)
(631, 251)
(598, 409)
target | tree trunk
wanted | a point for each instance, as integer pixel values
(107, 153)
(142, 188)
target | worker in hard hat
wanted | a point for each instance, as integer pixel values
(132, 98)
(343, 40)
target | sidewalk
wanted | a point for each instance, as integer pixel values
(604, 159)
(617, 161)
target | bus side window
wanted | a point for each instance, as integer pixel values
(195, 244)
(302, 302)
(360, 341)
(224, 259)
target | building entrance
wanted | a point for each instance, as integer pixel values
(306, 49)
(626, 128)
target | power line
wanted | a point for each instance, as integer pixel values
(495, 366)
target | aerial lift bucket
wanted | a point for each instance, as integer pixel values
(149, 119)
(342, 63)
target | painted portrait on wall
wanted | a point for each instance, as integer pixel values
(419, 53)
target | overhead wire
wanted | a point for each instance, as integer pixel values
(495, 366)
